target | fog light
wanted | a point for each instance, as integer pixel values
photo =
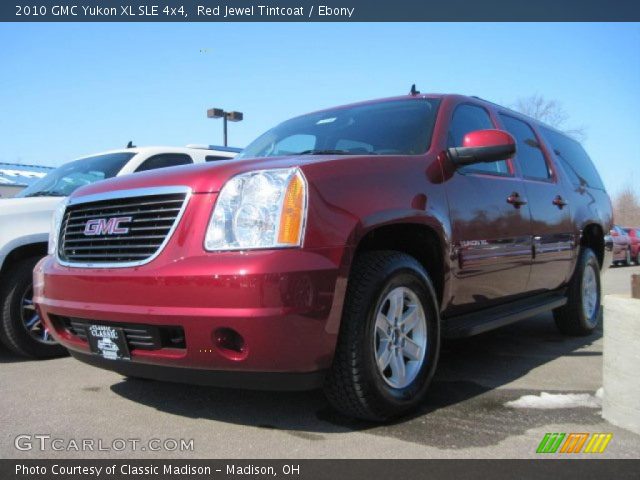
(230, 343)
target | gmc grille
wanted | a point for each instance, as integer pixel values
(145, 222)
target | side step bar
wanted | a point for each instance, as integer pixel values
(487, 319)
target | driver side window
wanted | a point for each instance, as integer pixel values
(467, 118)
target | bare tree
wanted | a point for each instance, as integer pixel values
(626, 208)
(550, 112)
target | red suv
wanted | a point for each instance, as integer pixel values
(634, 243)
(336, 251)
(622, 246)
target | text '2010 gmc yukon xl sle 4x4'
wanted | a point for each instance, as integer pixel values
(336, 250)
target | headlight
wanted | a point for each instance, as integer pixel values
(56, 221)
(261, 209)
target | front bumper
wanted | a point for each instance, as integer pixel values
(280, 381)
(286, 305)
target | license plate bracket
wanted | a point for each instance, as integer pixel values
(108, 342)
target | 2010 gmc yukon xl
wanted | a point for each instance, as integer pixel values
(336, 250)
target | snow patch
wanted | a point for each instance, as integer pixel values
(557, 400)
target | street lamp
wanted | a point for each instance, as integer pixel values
(226, 116)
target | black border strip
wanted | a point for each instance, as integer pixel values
(308, 11)
(583, 469)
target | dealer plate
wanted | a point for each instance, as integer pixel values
(108, 342)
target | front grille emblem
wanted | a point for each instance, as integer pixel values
(103, 226)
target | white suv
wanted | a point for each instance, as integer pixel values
(25, 222)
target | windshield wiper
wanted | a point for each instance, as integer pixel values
(324, 152)
(46, 194)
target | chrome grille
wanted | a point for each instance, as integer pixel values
(144, 223)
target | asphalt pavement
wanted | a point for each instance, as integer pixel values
(465, 416)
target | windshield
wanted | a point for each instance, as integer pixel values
(395, 127)
(65, 179)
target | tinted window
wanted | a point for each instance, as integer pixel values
(215, 158)
(468, 118)
(528, 152)
(294, 143)
(395, 127)
(574, 160)
(62, 181)
(354, 146)
(164, 160)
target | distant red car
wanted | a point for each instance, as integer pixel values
(621, 246)
(634, 241)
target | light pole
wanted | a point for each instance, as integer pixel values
(226, 116)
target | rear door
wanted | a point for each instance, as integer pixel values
(551, 226)
(490, 223)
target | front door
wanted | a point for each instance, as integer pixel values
(491, 227)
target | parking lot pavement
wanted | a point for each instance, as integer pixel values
(464, 416)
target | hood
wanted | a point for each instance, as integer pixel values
(203, 178)
(27, 205)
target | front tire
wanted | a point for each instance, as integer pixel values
(21, 328)
(583, 311)
(389, 339)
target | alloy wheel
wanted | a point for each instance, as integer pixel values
(590, 293)
(400, 339)
(32, 321)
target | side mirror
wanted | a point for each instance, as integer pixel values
(483, 146)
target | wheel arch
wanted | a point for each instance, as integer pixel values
(423, 241)
(593, 236)
(21, 251)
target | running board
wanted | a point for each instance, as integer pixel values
(484, 320)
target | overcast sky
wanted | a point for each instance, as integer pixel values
(67, 90)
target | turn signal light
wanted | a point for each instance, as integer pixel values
(292, 214)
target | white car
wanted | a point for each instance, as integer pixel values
(25, 222)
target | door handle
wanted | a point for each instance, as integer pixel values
(559, 202)
(516, 200)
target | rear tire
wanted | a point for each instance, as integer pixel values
(583, 311)
(17, 311)
(390, 308)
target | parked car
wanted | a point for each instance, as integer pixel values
(25, 222)
(621, 246)
(634, 241)
(335, 251)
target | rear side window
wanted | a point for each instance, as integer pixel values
(574, 160)
(164, 160)
(528, 153)
(468, 118)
